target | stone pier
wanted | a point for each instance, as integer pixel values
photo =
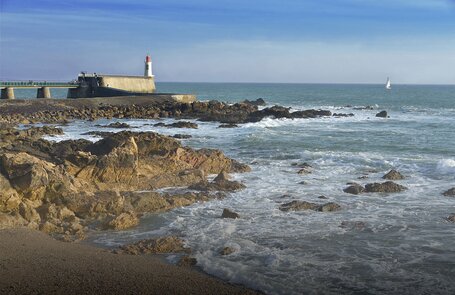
(7, 93)
(43, 92)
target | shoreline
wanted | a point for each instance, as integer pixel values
(60, 195)
(71, 184)
(33, 262)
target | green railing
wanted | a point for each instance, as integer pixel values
(37, 84)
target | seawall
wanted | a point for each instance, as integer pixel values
(128, 83)
(112, 85)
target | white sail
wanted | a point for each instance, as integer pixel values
(388, 85)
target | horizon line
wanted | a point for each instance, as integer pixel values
(257, 82)
(311, 83)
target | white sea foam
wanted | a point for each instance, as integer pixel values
(446, 165)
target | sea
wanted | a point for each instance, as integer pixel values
(377, 243)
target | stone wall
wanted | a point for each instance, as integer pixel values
(129, 83)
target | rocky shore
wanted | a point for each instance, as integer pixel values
(61, 111)
(71, 188)
(68, 187)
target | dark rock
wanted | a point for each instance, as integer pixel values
(343, 115)
(117, 125)
(229, 214)
(220, 183)
(450, 192)
(304, 171)
(329, 207)
(354, 189)
(187, 261)
(298, 206)
(182, 136)
(304, 205)
(393, 175)
(385, 187)
(257, 102)
(227, 251)
(364, 108)
(382, 114)
(230, 125)
(275, 111)
(311, 114)
(322, 197)
(170, 244)
(59, 112)
(245, 112)
(183, 124)
(451, 218)
(223, 176)
(98, 133)
(179, 124)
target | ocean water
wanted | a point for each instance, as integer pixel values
(377, 244)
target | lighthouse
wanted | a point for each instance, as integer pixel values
(148, 66)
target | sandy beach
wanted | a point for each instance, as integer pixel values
(31, 262)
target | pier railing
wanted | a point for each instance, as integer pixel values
(44, 87)
(35, 84)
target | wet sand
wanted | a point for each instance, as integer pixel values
(31, 262)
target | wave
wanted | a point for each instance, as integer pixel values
(446, 166)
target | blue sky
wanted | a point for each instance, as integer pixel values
(302, 41)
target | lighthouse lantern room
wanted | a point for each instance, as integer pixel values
(148, 66)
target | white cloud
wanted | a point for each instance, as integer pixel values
(435, 4)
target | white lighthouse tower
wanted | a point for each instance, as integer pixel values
(148, 66)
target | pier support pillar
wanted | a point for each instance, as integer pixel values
(79, 92)
(7, 93)
(44, 92)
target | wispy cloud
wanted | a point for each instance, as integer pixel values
(231, 40)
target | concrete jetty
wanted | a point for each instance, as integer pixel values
(101, 85)
(98, 85)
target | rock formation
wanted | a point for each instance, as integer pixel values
(61, 187)
(382, 114)
(385, 187)
(179, 124)
(64, 110)
(304, 205)
(229, 214)
(220, 183)
(354, 189)
(170, 244)
(187, 261)
(449, 192)
(227, 251)
(393, 175)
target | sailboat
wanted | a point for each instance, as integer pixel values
(388, 86)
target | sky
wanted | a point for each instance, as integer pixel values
(287, 41)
